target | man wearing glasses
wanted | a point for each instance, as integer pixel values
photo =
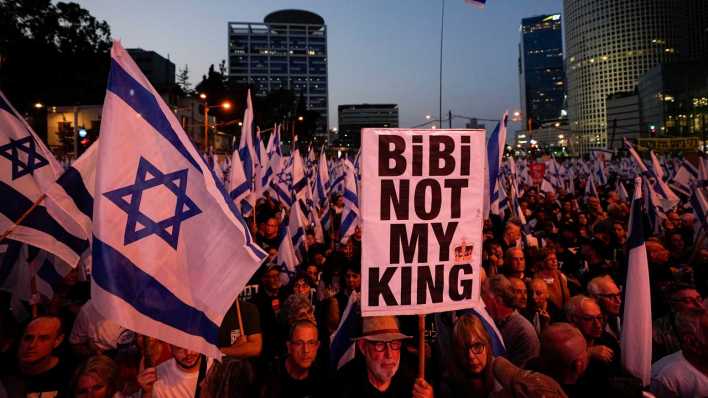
(604, 290)
(604, 351)
(379, 376)
(297, 377)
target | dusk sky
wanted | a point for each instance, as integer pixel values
(380, 51)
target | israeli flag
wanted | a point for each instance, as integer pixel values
(50, 273)
(350, 215)
(282, 182)
(247, 151)
(699, 205)
(321, 194)
(170, 250)
(622, 191)
(685, 177)
(239, 185)
(288, 259)
(635, 341)
(28, 172)
(272, 162)
(342, 347)
(76, 186)
(668, 198)
(495, 152)
(590, 189)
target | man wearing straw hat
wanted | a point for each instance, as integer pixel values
(380, 344)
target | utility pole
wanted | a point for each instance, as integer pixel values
(449, 119)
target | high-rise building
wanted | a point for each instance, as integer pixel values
(541, 75)
(287, 51)
(610, 44)
(353, 118)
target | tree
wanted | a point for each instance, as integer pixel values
(183, 80)
(52, 53)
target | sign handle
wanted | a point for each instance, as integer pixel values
(421, 346)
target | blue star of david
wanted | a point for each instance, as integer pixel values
(12, 151)
(148, 176)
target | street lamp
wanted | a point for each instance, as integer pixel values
(38, 105)
(224, 105)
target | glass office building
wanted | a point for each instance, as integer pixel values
(287, 50)
(541, 75)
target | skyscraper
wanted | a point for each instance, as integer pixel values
(610, 44)
(289, 51)
(541, 75)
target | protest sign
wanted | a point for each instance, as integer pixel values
(421, 205)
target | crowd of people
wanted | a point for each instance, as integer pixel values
(553, 286)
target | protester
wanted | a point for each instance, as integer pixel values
(470, 373)
(521, 340)
(685, 373)
(380, 345)
(96, 378)
(297, 377)
(177, 377)
(39, 369)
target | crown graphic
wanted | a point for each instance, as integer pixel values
(463, 252)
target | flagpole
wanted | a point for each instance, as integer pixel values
(421, 345)
(442, 29)
(22, 217)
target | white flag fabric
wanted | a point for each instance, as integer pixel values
(495, 152)
(249, 152)
(170, 250)
(635, 341)
(74, 189)
(27, 171)
(350, 215)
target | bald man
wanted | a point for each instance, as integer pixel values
(39, 371)
(564, 354)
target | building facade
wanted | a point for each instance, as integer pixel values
(623, 118)
(353, 118)
(159, 70)
(610, 44)
(541, 75)
(674, 101)
(288, 50)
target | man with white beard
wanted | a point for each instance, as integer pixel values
(378, 375)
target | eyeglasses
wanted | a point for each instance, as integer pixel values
(476, 348)
(300, 344)
(590, 318)
(611, 296)
(380, 346)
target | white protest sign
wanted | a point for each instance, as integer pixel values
(421, 207)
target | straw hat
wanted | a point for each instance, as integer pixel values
(381, 328)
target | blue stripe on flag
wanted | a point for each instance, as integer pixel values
(346, 223)
(49, 274)
(14, 205)
(74, 186)
(144, 103)
(117, 275)
(239, 190)
(351, 196)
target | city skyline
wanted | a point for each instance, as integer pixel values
(376, 53)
